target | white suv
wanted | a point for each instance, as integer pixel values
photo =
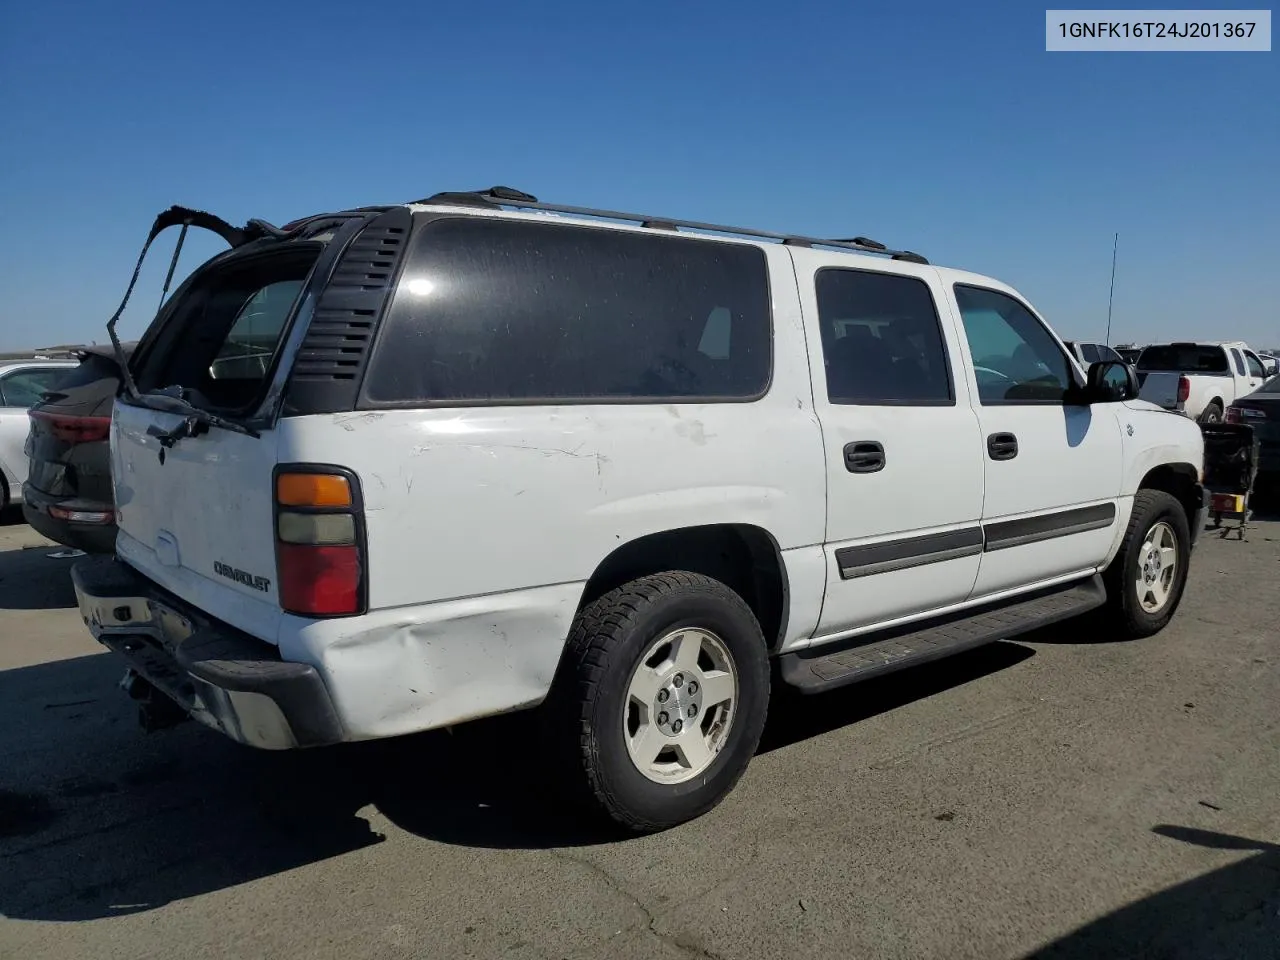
(397, 468)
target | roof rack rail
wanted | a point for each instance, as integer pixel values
(499, 197)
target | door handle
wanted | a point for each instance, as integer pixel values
(1002, 446)
(863, 456)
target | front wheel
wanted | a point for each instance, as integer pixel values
(664, 687)
(1146, 579)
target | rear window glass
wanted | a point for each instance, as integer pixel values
(500, 310)
(1184, 357)
(221, 340)
(94, 368)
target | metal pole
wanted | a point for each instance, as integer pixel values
(1111, 296)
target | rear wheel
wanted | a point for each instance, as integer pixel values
(1146, 579)
(664, 688)
(1212, 413)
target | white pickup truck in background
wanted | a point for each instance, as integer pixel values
(1199, 379)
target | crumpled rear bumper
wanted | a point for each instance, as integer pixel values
(223, 678)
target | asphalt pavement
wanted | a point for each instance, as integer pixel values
(1062, 796)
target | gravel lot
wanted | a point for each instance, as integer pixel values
(1062, 796)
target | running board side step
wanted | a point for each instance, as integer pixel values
(815, 672)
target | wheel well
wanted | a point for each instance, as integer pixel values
(1179, 480)
(745, 558)
(1218, 401)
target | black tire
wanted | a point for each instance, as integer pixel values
(587, 706)
(1211, 413)
(1124, 613)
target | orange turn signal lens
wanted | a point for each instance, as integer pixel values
(312, 490)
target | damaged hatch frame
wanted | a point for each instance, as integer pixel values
(173, 399)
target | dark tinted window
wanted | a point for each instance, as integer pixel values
(881, 341)
(514, 310)
(1014, 357)
(1089, 353)
(1106, 353)
(1184, 357)
(23, 388)
(1238, 361)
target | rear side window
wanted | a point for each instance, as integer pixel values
(1238, 361)
(1089, 353)
(500, 311)
(1183, 358)
(23, 388)
(881, 339)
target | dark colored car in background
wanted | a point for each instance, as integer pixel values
(1261, 410)
(68, 495)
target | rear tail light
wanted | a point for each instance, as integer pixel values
(320, 558)
(82, 516)
(1184, 389)
(73, 429)
(1242, 414)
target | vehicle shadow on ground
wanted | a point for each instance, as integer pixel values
(30, 579)
(1229, 913)
(98, 819)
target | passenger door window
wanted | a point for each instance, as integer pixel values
(1089, 353)
(1015, 358)
(881, 339)
(1255, 366)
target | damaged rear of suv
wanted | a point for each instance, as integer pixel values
(347, 512)
(227, 552)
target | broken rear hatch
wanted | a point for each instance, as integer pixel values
(193, 442)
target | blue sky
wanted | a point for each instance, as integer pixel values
(945, 129)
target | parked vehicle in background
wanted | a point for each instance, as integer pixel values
(1199, 379)
(492, 460)
(21, 384)
(1088, 353)
(1129, 354)
(1261, 409)
(68, 494)
(1270, 364)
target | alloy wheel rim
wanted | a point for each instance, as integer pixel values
(680, 706)
(1157, 567)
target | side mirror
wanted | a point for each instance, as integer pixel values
(1111, 381)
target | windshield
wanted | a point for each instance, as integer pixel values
(1184, 358)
